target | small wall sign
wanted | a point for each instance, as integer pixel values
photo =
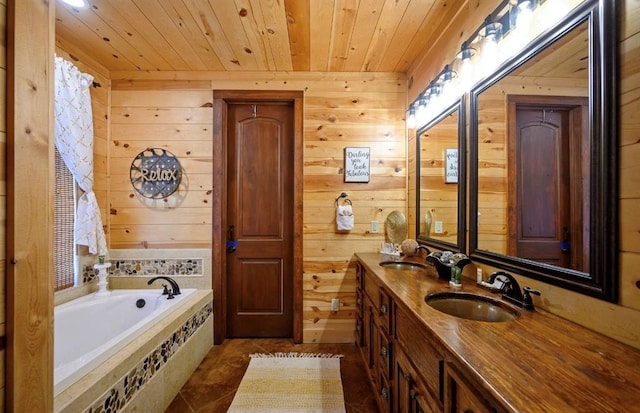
(451, 165)
(357, 164)
(155, 173)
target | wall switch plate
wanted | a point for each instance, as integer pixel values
(438, 227)
(374, 227)
(335, 304)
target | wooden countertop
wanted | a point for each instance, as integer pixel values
(537, 363)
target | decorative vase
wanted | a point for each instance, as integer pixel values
(427, 223)
(443, 266)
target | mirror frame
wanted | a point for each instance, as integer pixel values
(460, 106)
(602, 280)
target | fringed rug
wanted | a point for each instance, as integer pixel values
(291, 383)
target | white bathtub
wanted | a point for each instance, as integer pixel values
(90, 329)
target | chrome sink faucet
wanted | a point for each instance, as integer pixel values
(175, 288)
(511, 291)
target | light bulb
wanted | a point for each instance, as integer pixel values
(524, 17)
(489, 51)
(411, 119)
(551, 12)
(466, 71)
(421, 113)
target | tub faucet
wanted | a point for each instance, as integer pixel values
(175, 289)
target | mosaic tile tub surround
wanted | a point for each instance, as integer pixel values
(125, 267)
(115, 399)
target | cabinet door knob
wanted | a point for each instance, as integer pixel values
(383, 351)
(385, 394)
(412, 394)
(383, 309)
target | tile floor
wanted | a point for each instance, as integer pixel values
(212, 386)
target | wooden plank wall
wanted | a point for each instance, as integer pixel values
(172, 109)
(181, 122)
(3, 195)
(629, 158)
(412, 176)
(620, 321)
(29, 206)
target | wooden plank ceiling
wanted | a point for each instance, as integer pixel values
(255, 35)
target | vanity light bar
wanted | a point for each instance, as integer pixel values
(498, 25)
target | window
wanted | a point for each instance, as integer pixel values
(64, 206)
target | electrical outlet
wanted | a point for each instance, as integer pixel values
(335, 304)
(374, 227)
(438, 227)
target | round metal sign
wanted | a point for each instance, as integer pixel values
(155, 173)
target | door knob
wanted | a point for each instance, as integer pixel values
(232, 244)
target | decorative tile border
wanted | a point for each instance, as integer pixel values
(148, 267)
(115, 399)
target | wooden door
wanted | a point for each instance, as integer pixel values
(260, 219)
(549, 179)
(542, 185)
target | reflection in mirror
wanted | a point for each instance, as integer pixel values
(441, 180)
(531, 187)
(543, 178)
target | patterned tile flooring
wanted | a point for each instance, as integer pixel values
(212, 386)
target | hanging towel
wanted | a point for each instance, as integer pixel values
(344, 217)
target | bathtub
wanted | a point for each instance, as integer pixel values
(91, 329)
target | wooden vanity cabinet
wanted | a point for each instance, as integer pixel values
(375, 342)
(359, 331)
(410, 393)
(408, 367)
(461, 397)
(425, 355)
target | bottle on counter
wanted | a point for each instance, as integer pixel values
(456, 276)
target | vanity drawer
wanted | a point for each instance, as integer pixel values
(423, 353)
(385, 355)
(371, 289)
(384, 394)
(384, 312)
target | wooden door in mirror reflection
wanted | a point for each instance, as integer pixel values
(547, 189)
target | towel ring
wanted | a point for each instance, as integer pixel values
(345, 198)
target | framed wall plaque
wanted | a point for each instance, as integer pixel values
(155, 173)
(451, 166)
(357, 163)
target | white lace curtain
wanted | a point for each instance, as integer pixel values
(74, 141)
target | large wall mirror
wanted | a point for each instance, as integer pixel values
(441, 183)
(543, 165)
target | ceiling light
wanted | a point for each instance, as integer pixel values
(78, 4)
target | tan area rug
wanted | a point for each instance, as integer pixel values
(291, 383)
